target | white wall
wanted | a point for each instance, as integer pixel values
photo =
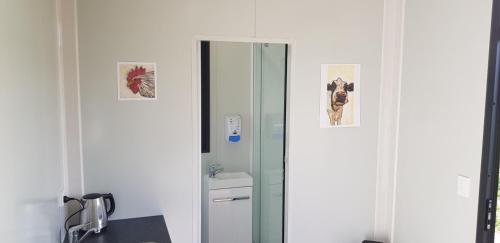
(230, 93)
(30, 135)
(142, 151)
(149, 167)
(332, 171)
(441, 124)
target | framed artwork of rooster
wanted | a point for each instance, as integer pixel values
(136, 81)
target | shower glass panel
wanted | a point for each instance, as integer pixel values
(268, 141)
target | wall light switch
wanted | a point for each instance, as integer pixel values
(463, 186)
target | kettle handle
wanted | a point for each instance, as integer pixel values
(111, 199)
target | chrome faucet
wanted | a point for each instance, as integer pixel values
(214, 169)
(73, 233)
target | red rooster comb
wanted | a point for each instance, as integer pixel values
(133, 78)
(135, 72)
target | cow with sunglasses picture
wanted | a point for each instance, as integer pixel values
(339, 96)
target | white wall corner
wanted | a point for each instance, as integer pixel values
(69, 107)
(62, 120)
(70, 97)
(388, 119)
(61, 94)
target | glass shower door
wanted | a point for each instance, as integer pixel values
(268, 145)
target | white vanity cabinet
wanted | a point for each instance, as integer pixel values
(230, 215)
(227, 209)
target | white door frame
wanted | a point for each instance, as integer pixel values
(196, 106)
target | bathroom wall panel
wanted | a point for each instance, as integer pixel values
(148, 146)
(142, 152)
(441, 134)
(332, 172)
(31, 175)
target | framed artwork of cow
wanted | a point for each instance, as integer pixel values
(136, 81)
(340, 99)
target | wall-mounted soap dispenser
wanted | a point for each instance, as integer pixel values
(232, 125)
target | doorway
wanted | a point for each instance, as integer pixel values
(242, 81)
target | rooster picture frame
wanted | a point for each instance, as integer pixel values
(137, 81)
(340, 95)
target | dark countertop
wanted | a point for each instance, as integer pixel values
(135, 230)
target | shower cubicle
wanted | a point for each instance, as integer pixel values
(269, 99)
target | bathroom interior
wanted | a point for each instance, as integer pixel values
(243, 124)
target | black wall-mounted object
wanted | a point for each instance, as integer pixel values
(205, 97)
(486, 218)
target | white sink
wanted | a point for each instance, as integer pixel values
(230, 180)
